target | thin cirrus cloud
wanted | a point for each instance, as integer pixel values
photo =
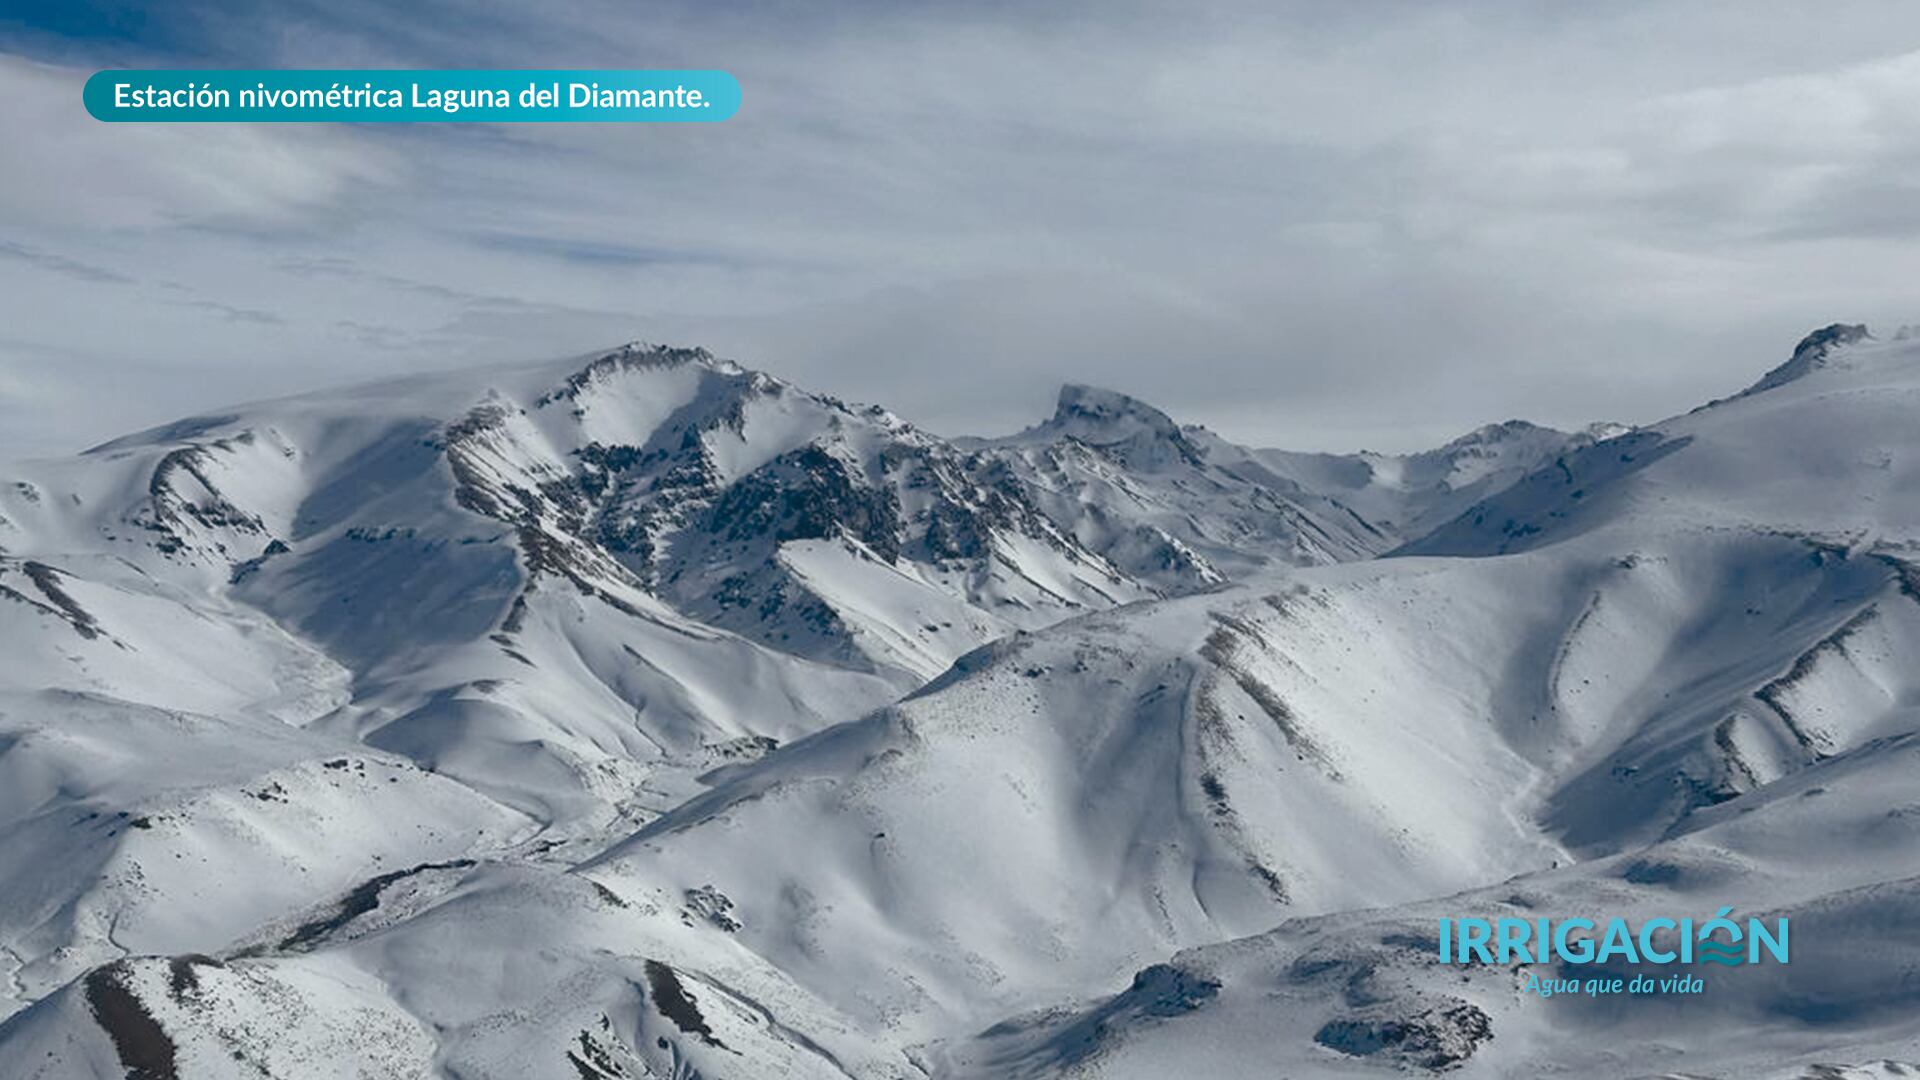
(61, 265)
(1315, 225)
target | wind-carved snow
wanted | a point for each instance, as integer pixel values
(644, 715)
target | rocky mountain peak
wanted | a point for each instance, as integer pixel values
(1503, 431)
(1811, 355)
(1117, 422)
(636, 356)
(1092, 405)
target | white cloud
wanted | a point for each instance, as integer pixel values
(67, 169)
(1385, 224)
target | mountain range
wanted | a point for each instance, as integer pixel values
(643, 715)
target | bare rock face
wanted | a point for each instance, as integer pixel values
(1438, 1038)
(700, 509)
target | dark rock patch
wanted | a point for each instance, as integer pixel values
(1438, 1038)
(673, 1002)
(363, 898)
(144, 1047)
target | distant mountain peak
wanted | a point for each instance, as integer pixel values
(637, 355)
(1116, 423)
(1497, 432)
(1602, 430)
(1082, 404)
(1811, 355)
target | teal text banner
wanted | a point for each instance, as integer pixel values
(388, 96)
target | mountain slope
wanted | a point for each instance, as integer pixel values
(562, 593)
(1409, 495)
(1815, 448)
(1726, 721)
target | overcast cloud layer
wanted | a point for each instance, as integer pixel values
(1312, 225)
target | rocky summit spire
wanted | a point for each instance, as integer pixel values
(1810, 355)
(1110, 420)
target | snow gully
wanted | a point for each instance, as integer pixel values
(1718, 940)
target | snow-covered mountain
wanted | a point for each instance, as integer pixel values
(1410, 494)
(642, 715)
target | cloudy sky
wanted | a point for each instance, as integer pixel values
(1315, 225)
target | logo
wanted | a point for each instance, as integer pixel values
(1576, 943)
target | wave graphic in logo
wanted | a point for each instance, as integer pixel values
(1714, 952)
(1728, 952)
